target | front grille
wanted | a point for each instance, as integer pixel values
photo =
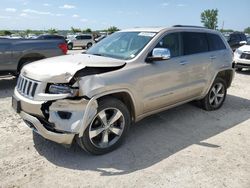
(245, 55)
(27, 87)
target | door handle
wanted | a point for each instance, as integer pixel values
(184, 62)
(213, 57)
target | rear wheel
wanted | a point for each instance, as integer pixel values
(108, 128)
(70, 46)
(216, 95)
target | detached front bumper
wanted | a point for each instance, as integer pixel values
(51, 122)
(37, 126)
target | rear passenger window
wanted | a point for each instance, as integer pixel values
(194, 43)
(215, 42)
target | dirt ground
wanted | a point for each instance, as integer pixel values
(181, 147)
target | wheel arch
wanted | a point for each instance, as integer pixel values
(29, 58)
(124, 96)
(226, 75)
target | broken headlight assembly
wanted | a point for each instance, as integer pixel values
(63, 89)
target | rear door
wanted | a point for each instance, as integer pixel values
(197, 60)
(219, 54)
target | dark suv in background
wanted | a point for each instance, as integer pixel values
(236, 39)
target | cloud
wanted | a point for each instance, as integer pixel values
(181, 5)
(36, 12)
(164, 4)
(59, 15)
(23, 14)
(5, 17)
(66, 6)
(25, 3)
(133, 13)
(84, 20)
(46, 4)
(10, 10)
(75, 16)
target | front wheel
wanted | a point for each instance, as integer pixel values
(89, 45)
(216, 95)
(108, 128)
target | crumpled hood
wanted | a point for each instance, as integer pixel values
(61, 69)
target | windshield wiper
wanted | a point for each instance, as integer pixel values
(97, 54)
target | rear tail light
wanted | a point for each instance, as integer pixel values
(63, 47)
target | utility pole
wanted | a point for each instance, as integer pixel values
(222, 25)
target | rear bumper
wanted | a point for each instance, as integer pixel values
(37, 126)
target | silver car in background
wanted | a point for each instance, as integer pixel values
(82, 40)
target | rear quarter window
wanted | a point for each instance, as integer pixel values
(215, 42)
(194, 42)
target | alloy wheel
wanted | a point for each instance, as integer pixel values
(217, 95)
(106, 128)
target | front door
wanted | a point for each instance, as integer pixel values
(165, 82)
(5, 55)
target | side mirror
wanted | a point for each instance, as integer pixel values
(243, 42)
(159, 54)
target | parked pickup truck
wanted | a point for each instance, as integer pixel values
(15, 53)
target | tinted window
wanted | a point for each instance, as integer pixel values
(215, 42)
(243, 37)
(171, 41)
(233, 38)
(85, 37)
(194, 43)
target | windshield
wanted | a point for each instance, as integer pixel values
(122, 45)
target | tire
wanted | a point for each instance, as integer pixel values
(70, 46)
(101, 137)
(216, 95)
(89, 45)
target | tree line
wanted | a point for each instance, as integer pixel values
(73, 30)
(209, 18)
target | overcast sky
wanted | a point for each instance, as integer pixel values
(62, 14)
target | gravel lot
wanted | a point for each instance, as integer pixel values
(181, 147)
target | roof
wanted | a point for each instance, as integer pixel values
(146, 29)
(158, 29)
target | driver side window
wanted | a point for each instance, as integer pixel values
(172, 42)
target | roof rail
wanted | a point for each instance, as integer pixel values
(188, 26)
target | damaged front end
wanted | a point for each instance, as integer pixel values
(59, 111)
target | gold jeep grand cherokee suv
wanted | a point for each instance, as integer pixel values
(95, 97)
